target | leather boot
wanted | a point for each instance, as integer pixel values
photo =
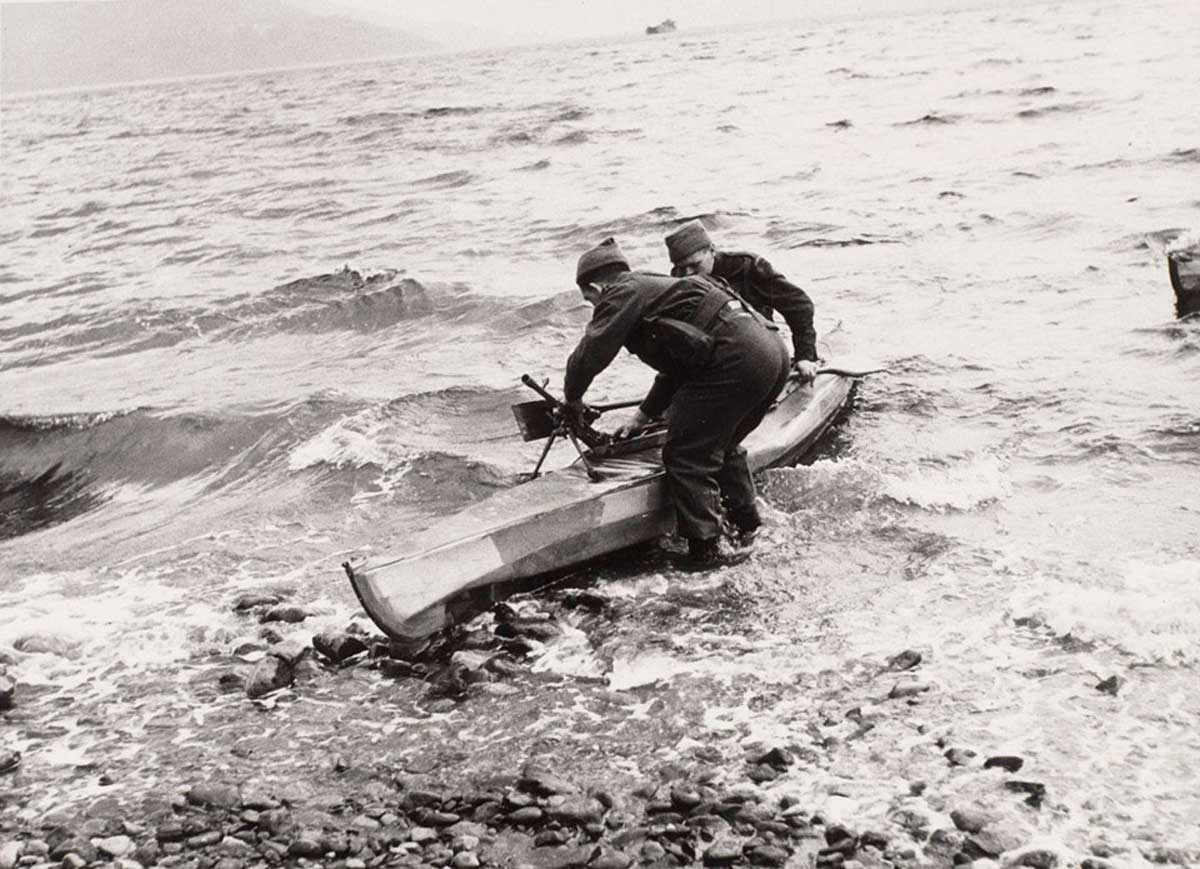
(710, 553)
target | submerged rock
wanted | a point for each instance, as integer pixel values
(970, 820)
(210, 795)
(338, 646)
(7, 688)
(288, 613)
(1006, 762)
(114, 846)
(47, 645)
(959, 756)
(536, 778)
(610, 858)
(1037, 858)
(9, 760)
(253, 600)
(994, 839)
(722, 852)
(908, 689)
(561, 858)
(905, 660)
(269, 674)
(577, 810)
(1036, 791)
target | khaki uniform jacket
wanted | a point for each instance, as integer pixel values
(767, 291)
(620, 320)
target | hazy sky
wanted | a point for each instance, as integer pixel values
(534, 20)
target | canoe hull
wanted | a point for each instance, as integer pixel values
(1184, 268)
(561, 519)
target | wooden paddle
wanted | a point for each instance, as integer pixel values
(849, 371)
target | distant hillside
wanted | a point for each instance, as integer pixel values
(51, 45)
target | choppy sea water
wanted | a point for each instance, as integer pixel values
(196, 399)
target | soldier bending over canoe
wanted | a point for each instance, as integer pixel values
(755, 280)
(720, 366)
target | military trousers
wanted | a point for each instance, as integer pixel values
(709, 417)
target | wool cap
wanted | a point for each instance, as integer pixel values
(686, 240)
(606, 253)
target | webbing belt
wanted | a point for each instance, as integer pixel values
(710, 307)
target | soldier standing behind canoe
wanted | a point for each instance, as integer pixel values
(720, 366)
(753, 278)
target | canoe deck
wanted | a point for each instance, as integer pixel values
(560, 519)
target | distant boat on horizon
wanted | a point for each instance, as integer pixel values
(667, 26)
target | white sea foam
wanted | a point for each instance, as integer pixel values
(343, 445)
(1187, 240)
(1148, 609)
(953, 485)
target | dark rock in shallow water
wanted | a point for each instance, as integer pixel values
(47, 645)
(1006, 762)
(959, 756)
(684, 799)
(652, 851)
(992, 841)
(534, 629)
(609, 858)
(289, 650)
(288, 613)
(9, 760)
(7, 688)
(970, 820)
(255, 599)
(229, 682)
(435, 818)
(308, 844)
(723, 852)
(526, 816)
(561, 858)
(874, 839)
(1038, 858)
(204, 840)
(778, 757)
(908, 689)
(577, 810)
(1036, 791)
(338, 646)
(536, 778)
(270, 674)
(768, 855)
(211, 795)
(905, 660)
(762, 773)
(1111, 685)
(836, 833)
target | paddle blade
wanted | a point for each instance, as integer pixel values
(852, 367)
(848, 371)
(535, 419)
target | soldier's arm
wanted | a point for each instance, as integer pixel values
(615, 317)
(659, 397)
(795, 306)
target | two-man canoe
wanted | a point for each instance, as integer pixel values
(1184, 268)
(563, 518)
